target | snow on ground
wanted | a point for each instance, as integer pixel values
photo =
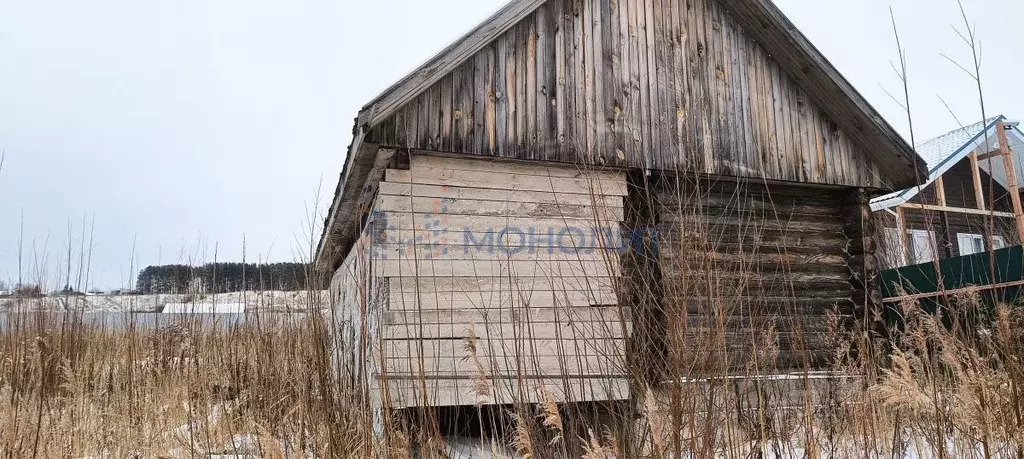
(268, 301)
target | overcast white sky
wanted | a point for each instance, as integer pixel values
(180, 126)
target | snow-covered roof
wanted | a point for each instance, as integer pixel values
(934, 151)
(943, 152)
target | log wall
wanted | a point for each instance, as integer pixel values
(750, 272)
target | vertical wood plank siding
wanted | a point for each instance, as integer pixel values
(657, 84)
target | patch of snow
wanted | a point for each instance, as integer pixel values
(477, 448)
(203, 308)
(267, 301)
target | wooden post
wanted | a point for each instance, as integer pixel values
(947, 237)
(979, 195)
(940, 192)
(644, 291)
(901, 228)
(861, 258)
(1011, 178)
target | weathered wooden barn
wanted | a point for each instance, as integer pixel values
(579, 193)
(969, 204)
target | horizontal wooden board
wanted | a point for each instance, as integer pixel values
(732, 217)
(497, 301)
(485, 268)
(776, 238)
(500, 349)
(742, 342)
(510, 182)
(490, 194)
(459, 366)
(828, 274)
(708, 224)
(457, 392)
(753, 244)
(808, 303)
(418, 161)
(469, 252)
(749, 206)
(507, 239)
(518, 284)
(749, 324)
(562, 227)
(506, 208)
(766, 257)
(506, 315)
(499, 361)
(797, 200)
(494, 286)
(581, 330)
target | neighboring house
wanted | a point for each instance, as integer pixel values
(970, 203)
(474, 237)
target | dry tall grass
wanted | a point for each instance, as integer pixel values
(186, 388)
(937, 385)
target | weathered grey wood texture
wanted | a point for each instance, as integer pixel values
(748, 269)
(662, 84)
(497, 272)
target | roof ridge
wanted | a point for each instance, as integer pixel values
(965, 127)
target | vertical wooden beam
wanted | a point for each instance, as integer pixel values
(901, 228)
(1011, 178)
(859, 228)
(979, 195)
(940, 199)
(947, 237)
(643, 293)
(940, 192)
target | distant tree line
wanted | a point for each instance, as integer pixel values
(222, 278)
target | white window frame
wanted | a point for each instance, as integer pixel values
(922, 243)
(966, 243)
(893, 242)
(997, 242)
(922, 250)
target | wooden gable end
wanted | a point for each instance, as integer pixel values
(659, 84)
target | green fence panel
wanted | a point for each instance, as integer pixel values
(957, 273)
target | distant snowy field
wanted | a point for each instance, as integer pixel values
(269, 301)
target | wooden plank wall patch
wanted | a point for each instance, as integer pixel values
(499, 270)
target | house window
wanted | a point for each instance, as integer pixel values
(970, 244)
(922, 246)
(975, 243)
(894, 254)
(921, 250)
